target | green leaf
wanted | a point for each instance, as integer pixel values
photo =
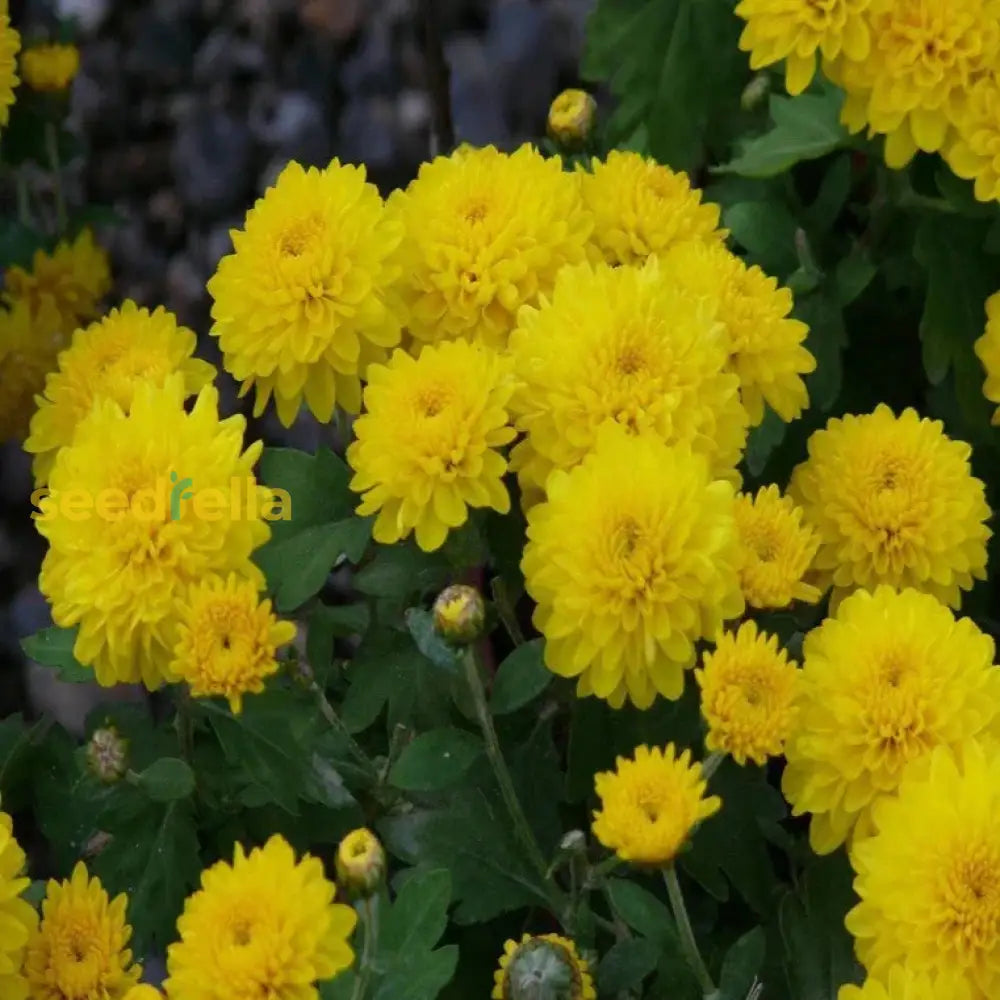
(805, 128)
(742, 965)
(328, 623)
(18, 244)
(53, 647)
(641, 910)
(762, 441)
(435, 760)
(766, 229)
(402, 572)
(520, 679)
(853, 275)
(826, 340)
(420, 622)
(419, 913)
(626, 964)
(167, 780)
(419, 976)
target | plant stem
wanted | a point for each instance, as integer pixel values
(23, 203)
(711, 763)
(688, 943)
(337, 724)
(505, 610)
(52, 148)
(370, 947)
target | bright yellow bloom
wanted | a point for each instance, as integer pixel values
(571, 117)
(426, 445)
(778, 549)
(107, 360)
(143, 992)
(546, 960)
(764, 344)
(749, 690)
(265, 927)
(651, 805)
(631, 559)
(889, 678)
(50, 67)
(974, 152)
(641, 208)
(227, 639)
(80, 949)
(796, 30)
(303, 306)
(73, 280)
(929, 879)
(17, 917)
(626, 345)
(913, 84)
(486, 232)
(27, 355)
(987, 349)
(902, 983)
(894, 501)
(10, 43)
(118, 570)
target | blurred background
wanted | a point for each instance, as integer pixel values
(187, 110)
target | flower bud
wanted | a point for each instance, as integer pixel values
(107, 755)
(459, 614)
(571, 117)
(360, 863)
(755, 91)
(547, 967)
(574, 842)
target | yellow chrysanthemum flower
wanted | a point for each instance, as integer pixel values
(894, 501)
(902, 983)
(10, 44)
(265, 927)
(72, 280)
(749, 690)
(889, 678)
(631, 559)
(143, 992)
(426, 445)
(227, 639)
(543, 961)
(626, 345)
(987, 349)
(50, 67)
(27, 355)
(18, 919)
(778, 549)
(796, 31)
(303, 306)
(929, 879)
(651, 804)
(107, 360)
(80, 949)
(913, 85)
(642, 208)
(486, 232)
(125, 540)
(764, 344)
(974, 152)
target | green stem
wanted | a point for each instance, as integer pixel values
(711, 763)
(688, 943)
(337, 724)
(505, 611)
(24, 215)
(370, 947)
(52, 148)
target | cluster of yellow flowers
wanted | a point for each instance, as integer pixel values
(923, 73)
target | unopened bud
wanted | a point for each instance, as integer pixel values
(459, 614)
(360, 864)
(107, 755)
(755, 91)
(545, 968)
(574, 842)
(571, 117)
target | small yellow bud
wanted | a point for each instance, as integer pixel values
(360, 863)
(571, 117)
(107, 755)
(459, 614)
(50, 67)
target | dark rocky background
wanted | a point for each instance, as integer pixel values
(188, 109)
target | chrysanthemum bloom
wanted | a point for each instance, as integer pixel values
(974, 152)
(571, 117)
(778, 549)
(227, 639)
(894, 501)
(889, 678)
(50, 67)
(17, 917)
(107, 360)
(796, 31)
(426, 445)
(642, 208)
(929, 879)
(764, 344)
(10, 43)
(303, 306)
(631, 559)
(626, 345)
(902, 983)
(486, 232)
(651, 804)
(80, 949)
(265, 927)
(542, 965)
(913, 84)
(125, 531)
(987, 349)
(72, 280)
(143, 992)
(749, 690)
(26, 357)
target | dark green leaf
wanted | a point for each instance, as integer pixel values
(419, 913)
(742, 965)
(435, 760)
(641, 910)
(826, 341)
(521, 678)
(853, 275)
(766, 229)
(167, 780)
(626, 964)
(402, 572)
(53, 647)
(421, 625)
(762, 441)
(419, 976)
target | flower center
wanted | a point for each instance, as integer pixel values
(475, 210)
(896, 708)
(971, 897)
(542, 970)
(300, 236)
